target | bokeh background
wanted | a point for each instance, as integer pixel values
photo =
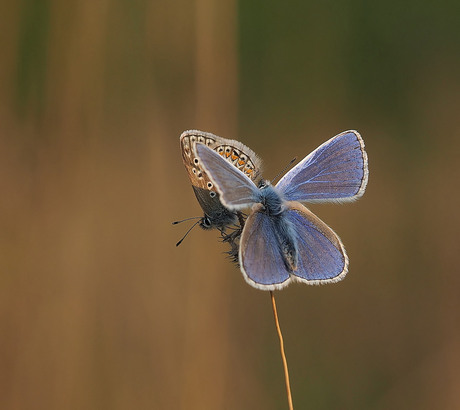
(100, 310)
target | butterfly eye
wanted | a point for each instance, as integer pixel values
(206, 222)
(262, 184)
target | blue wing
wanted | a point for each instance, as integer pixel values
(261, 259)
(321, 255)
(236, 190)
(336, 171)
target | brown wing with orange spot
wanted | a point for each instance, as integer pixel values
(235, 152)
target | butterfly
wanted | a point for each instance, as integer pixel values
(236, 154)
(282, 241)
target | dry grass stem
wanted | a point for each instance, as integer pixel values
(283, 355)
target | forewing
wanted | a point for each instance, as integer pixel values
(235, 152)
(321, 254)
(336, 171)
(260, 257)
(236, 190)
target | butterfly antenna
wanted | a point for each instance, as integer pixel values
(284, 169)
(186, 219)
(186, 233)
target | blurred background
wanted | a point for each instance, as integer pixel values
(100, 310)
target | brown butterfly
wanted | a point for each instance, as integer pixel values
(216, 216)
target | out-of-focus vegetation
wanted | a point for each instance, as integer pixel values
(99, 310)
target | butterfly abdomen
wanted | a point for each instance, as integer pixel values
(287, 241)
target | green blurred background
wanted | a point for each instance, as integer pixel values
(99, 309)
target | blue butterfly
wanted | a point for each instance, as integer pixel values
(282, 241)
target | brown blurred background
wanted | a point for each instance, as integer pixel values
(99, 309)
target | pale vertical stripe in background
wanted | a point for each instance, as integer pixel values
(206, 335)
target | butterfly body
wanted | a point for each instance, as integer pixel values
(282, 241)
(271, 204)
